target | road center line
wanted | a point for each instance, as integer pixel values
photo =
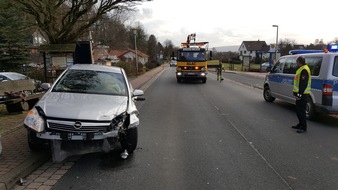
(255, 149)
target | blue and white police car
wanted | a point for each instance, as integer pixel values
(324, 85)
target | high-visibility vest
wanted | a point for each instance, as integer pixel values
(297, 77)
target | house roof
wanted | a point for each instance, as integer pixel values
(256, 45)
(298, 46)
(120, 53)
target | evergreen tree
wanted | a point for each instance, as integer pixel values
(15, 37)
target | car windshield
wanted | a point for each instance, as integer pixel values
(91, 82)
(191, 56)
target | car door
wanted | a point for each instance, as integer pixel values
(276, 77)
(286, 87)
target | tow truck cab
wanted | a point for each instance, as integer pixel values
(192, 61)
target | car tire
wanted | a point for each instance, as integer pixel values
(32, 103)
(34, 143)
(267, 94)
(310, 110)
(129, 140)
(204, 80)
(13, 108)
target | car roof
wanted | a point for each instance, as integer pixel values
(93, 67)
(312, 54)
(12, 74)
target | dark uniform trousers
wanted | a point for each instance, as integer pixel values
(301, 110)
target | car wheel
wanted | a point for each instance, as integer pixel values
(35, 144)
(179, 81)
(129, 140)
(310, 110)
(32, 103)
(12, 108)
(204, 80)
(267, 94)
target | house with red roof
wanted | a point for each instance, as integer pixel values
(104, 56)
(130, 55)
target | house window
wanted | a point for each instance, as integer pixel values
(244, 52)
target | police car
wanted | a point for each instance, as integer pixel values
(324, 84)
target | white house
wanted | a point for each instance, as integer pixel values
(252, 49)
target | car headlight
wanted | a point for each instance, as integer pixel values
(34, 121)
(118, 121)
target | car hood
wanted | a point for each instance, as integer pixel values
(82, 106)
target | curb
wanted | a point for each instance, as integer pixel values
(142, 82)
(10, 179)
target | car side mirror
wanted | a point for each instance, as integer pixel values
(137, 95)
(45, 86)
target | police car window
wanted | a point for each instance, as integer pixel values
(290, 66)
(278, 67)
(314, 64)
(335, 67)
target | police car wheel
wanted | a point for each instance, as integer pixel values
(267, 94)
(310, 112)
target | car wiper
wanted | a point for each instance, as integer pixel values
(77, 91)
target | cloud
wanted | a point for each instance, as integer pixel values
(147, 13)
(237, 21)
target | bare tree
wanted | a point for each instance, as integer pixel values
(141, 37)
(285, 45)
(319, 42)
(110, 31)
(335, 41)
(152, 48)
(63, 21)
(168, 48)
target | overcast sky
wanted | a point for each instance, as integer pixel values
(226, 23)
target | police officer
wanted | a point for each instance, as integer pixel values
(301, 91)
(219, 72)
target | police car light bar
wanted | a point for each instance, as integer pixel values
(304, 51)
(333, 47)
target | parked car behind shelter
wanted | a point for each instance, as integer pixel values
(6, 76)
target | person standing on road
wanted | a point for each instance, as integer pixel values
(219, 72)
(301, 91)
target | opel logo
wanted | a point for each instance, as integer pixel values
(77, 125)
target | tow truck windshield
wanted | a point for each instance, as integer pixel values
(191, 56)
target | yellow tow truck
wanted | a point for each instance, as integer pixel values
(192, 61)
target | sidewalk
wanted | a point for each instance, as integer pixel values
(16, 159)
(255, 74)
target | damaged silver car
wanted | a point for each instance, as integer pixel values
(89, 108)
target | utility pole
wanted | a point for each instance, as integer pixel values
(136, 63)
